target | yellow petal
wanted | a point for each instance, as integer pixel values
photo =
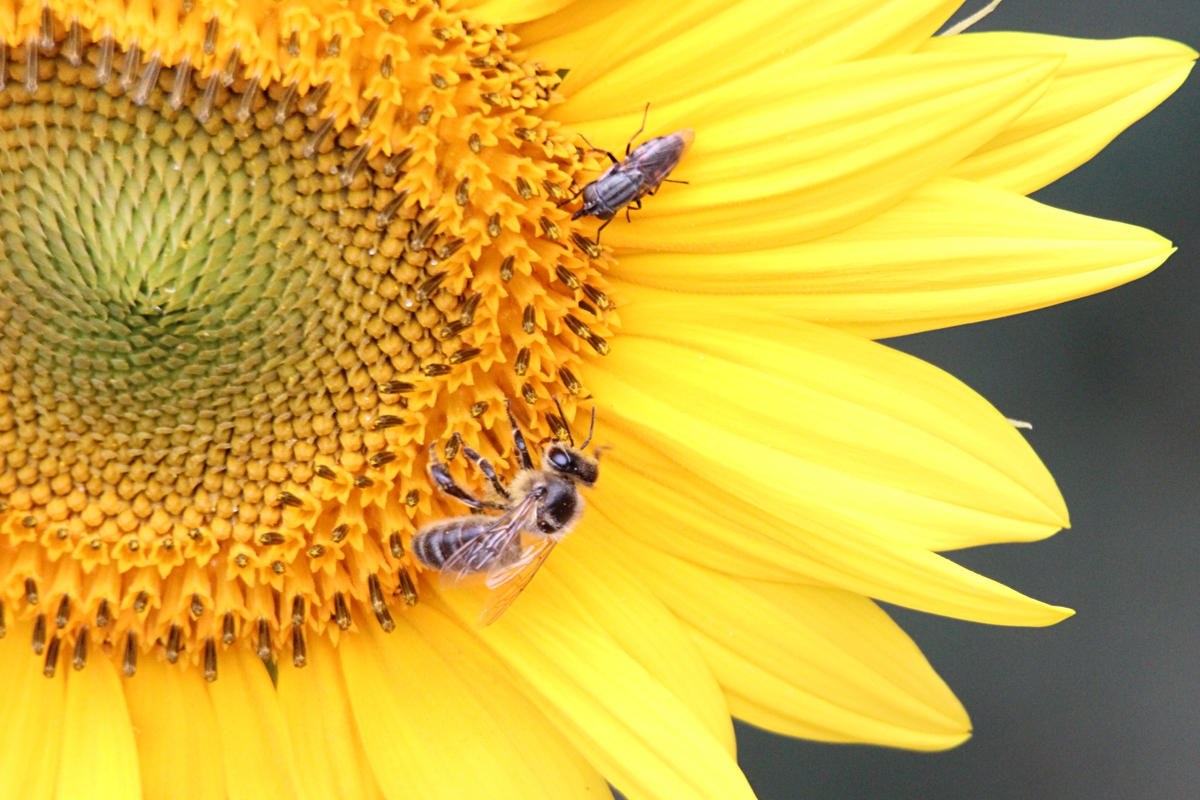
(781, 158)
(542, 747)
(330, 757)
(508, 12)
(431, 732)
(259, 764)
(99, 756)
(179, 745)
(1102, 88)
(629, 725)
(612, 75)
(829, 660)
(954, 252)
(644, 628)
(31, 718)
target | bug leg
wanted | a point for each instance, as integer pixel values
(645, 114)
(445, 483)
(602, 227)
(487, 469)
(635, 204)
(570, 199)
(518, 439)
(602, 150)
(672, 180)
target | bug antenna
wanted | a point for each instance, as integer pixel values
(959, 27)
(591, 430)
(563, 417)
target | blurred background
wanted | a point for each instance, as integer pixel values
(1107, 703)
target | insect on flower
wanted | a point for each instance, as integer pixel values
(540, 507)
(626, 182)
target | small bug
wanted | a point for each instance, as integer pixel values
(641, 173)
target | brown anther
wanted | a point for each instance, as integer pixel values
(412, 498)
(424, 115)
(133, 545)
(104, 58)
(299, 648)
(463, 192)
(528, 393)
(451, 247)
(506, 268)
(210, 35)
(316, 551)
(396, 544)
(318, 138)
(394, 163)
(438, 81)
(322, 471)
(278, 567)
(233, 65)
(483, 62)
(284, 107)
(475, 143)
(588, 307)
(64, 612)
(396, 387)
(39, 634)
(385, 216)
(435, 370)
(549, 229)
(566, 276)
(3, 626)
(525, 134)
(386, 15)
(452, 446)
(102, 614)
(242, 560)
(334, 48)
(31, 592)
(529, 319)
(197, 606)
(79, 657)
(47, 31)
(51, 665)
(453, 329)
(521, 365)
(586, 245)
(570, 381)
(492, 99)
(341, 611)
(210, 659)
(380, 459)
(467, 314)
(246, 102)
(493, 226)
(168, 543)
(272, 538)
(554, 190)
(228, 628)
(174, 643)
(558, 427)
(387, 421)
(182, 82)
(406, 587)
(419, 237)
(464, 355)
(204, 111)
(596, 296)
(61, 534)
(133, 60)
(293, 44)
(264, 640)
(29, 521)
(578, 328)
(140, 602)
(289, 499)
(297, 610)
(73, 50)
(368, 114)
(598, 344)
(363, 482)
(195, 534)
(149, 80)
(355, 162)
(523, 188)
(129, 659)
(96, 544)
(443, 34)
(478, 409)
(312, 102)
(378, 605)
(339, 533)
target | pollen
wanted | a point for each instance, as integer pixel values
(253, 265)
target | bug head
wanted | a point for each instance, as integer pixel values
(571, 463)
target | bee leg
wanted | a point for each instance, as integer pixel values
(445, 483)
(645, 114)
(487, 469)
(518, 439)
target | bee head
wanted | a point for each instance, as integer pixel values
(571, 463)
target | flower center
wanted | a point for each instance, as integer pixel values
(245, 285)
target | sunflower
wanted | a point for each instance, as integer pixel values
(262, 263)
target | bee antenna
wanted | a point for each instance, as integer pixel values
(591, 430)
(562, 415)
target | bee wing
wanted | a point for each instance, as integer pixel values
(508, 582)
(499, 537)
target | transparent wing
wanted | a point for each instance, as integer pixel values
(501, 536)
(508, 582)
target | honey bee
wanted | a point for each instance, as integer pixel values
(539, 508)
(627, 181)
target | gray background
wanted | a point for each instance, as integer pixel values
(1106, 704)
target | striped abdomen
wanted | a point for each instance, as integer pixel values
(436, 542)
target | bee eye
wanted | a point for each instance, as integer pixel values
(560, 459)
